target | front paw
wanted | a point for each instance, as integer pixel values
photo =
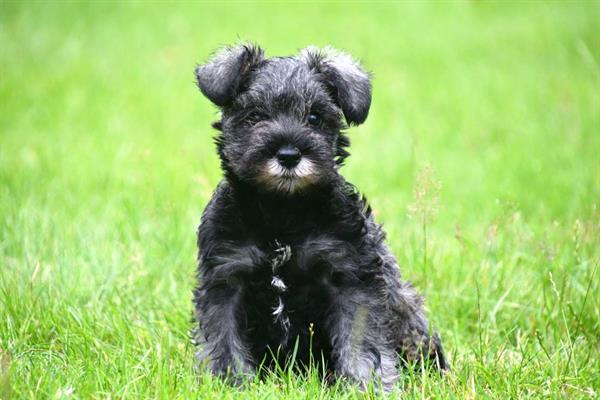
(378, 368)
(233, 372)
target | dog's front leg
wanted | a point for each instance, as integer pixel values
(361, 350)
(223, 346)
(220, 311)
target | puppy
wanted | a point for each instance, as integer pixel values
(290, 257)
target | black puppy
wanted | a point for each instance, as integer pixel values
(289, 253)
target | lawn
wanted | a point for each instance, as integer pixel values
(481, 156)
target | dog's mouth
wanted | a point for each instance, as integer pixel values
(280, 178)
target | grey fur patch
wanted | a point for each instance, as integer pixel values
(220, 78)
(277, 311)
(352, 83)
(283, 254)
(278, 284)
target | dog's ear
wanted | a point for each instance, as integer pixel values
(220, 78)
(349, 83)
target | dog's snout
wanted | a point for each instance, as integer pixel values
(289, 156)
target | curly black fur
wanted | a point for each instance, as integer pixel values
(293, 256)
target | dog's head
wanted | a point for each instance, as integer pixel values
(282, 118)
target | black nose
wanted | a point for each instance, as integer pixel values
(289, 156)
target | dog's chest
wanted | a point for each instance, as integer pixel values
(299, 297)
(293, 266)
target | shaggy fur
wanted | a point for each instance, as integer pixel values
(291, 254)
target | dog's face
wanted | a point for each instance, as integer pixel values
(282, 118)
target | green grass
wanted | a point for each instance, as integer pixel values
(106, 163)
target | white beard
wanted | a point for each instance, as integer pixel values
(282, 179)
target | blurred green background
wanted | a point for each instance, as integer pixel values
(106, 163)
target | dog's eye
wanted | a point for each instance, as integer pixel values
(313, 119)
(256, 117)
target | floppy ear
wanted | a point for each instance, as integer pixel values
(350, 84)
(220, 78)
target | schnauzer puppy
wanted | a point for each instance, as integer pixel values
(290, 257)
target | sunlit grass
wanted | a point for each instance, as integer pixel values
(106, 163)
